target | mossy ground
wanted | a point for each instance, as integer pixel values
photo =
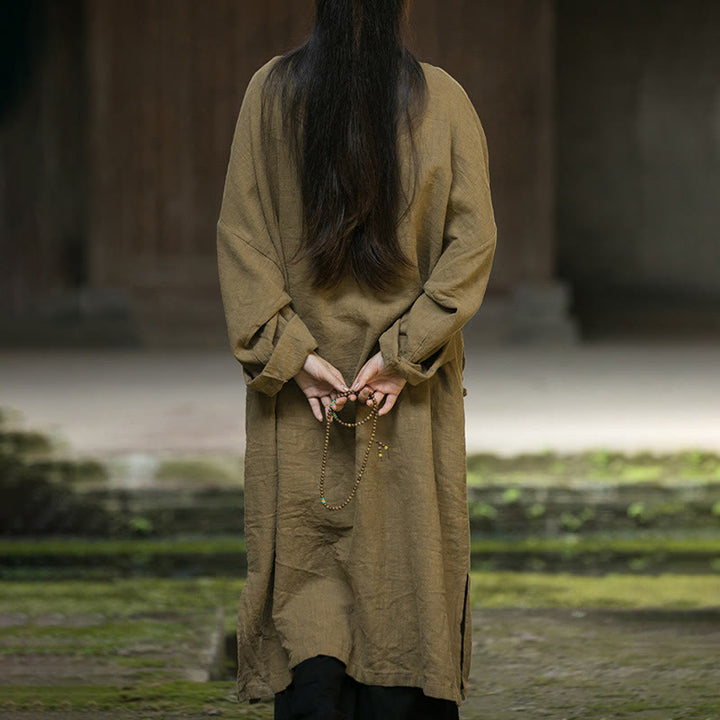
(613, 646)
(594, 664)
(600, 465)
(544, 468)
(131, 597)
(187, 700)
(208, 546)
(553, 645)
(589, 554)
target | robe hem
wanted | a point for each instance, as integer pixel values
(279, 681)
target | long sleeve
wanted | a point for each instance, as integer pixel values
(417, 343)
(266, 335)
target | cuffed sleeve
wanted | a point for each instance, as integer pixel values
(422, 339)
(393, 346)
(277, 353)
(266, 335)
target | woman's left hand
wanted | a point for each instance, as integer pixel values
(320, 381)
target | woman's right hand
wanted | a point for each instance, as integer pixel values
(372, 377)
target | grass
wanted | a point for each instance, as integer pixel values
(604, 466)
(580, 544)
(539, 590)
(127, 597)
(117, 598)
(566, 545)
(213, 471)
(153, 700)
(97, 639)
(123, 614)
(590, 554)
(82, 547)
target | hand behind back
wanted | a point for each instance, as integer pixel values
(373, 377)
(321, 382)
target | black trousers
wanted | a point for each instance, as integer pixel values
(321, 690)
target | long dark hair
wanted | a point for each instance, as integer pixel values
(344, 94)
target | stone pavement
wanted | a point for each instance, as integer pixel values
(593, 663)
(620, 396)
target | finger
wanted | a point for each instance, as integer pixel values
(360, 380)
(339, 384)
(340, 400)
(372, 392)
(315, 406)
(378, 398)
(388, 404)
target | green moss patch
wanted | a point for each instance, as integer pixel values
(157, 700)
(118, 598)
(568, 644)
(562, 590)
(119, 636)
(550, 468)
(210, 470)
(584, 554)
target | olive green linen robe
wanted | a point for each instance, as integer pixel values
(384, 583)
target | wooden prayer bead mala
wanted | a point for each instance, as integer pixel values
(330, 416)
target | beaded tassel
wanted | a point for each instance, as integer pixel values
(381, 446)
